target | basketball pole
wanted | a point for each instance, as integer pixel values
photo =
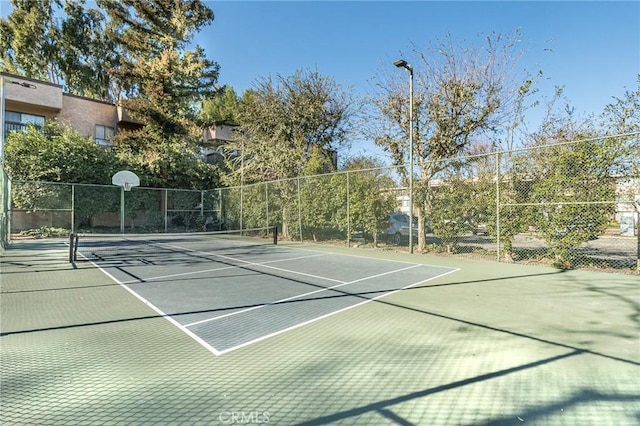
(122, 209)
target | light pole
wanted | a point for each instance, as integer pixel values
(401, 63)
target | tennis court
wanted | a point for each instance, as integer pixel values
(231, 292)
(216, 332)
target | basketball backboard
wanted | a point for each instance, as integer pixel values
(125, 179)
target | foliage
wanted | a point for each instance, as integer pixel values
(461, 92)
(29, 39)
(62, 42)
(514, 192)
(283, 123)
(222, 107)
(323, 200)
(46, 232)
(36, 154)
(131, 49)
(623, 115)
(565, 179)
(451, 205)
(282, 119)
(168, 163)
(370, 200)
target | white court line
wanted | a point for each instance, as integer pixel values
(293, 327)
(189, 333)
(216, 352)
(343, 283)
(183, 274)
(248, 263)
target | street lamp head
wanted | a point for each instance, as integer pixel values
(401, 63)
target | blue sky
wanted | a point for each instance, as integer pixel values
(595, 46)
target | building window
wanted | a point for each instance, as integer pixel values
(20, 121)
(104, 135)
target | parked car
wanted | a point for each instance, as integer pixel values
(397, 229)
(478, 228)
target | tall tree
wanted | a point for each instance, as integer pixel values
(132, 49)
(29, 38)
(62, 42)
(282, 122)
(162, 80)
(85, 55)
(283, 118)
(461, 92)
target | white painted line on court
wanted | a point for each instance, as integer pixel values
(216, 352)
(267, 336)
(343, 283)
(248, 263)
(183, 274)
(166, 316)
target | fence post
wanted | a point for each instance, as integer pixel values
(498, 206)
(348, 213)
(165, 211)
(241, 204)
(9, 208)
(220, 216)
(637, 221)
(266, 198)
(299, 211)
(122, 209)
(73, 208)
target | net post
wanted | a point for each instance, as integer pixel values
(275, 235)
(72, 245)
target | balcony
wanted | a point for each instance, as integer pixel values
(24, 93)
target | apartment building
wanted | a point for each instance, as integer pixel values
(28, 101)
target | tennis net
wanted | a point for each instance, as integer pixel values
(118, 247)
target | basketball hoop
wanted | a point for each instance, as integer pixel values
(125, 179)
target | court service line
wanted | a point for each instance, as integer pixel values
(293, 327)
(204, 271)
(286, 299)
(166, 316)
(248, 263)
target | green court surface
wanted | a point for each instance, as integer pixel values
(311, 334)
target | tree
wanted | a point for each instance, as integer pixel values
(35, 155)
(370, 198)
(120, 50)
(29, 39)
(62, 42)
(222, 107)
(281, 121)
(461, 92)
(283, 118)
(575, 192)
(32, 160)
(623, 115)
(162, 80)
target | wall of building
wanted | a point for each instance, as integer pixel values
(83, 114)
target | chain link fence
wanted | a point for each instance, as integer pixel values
(44, 209)
(571, 205)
